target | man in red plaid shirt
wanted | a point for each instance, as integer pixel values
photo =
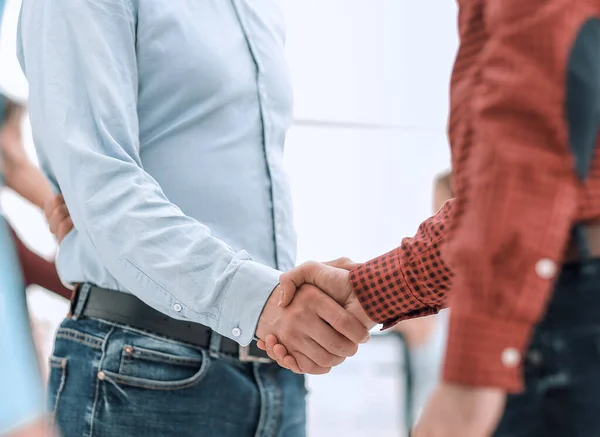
(516, 253)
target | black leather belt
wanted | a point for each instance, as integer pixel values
(126, 309)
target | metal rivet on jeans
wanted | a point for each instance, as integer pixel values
(128, 349)
(101, 376)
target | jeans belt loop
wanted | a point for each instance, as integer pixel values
(80, 297)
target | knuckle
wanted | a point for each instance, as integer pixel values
(342, 321)
(343, 347)
(327, 361)
(336, 346)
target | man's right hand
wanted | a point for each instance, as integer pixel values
(332, 277)
(316, 331)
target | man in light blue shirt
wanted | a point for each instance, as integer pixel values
(163, 123)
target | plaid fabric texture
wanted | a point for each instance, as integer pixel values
(517, 194)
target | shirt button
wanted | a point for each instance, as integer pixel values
(511, 357)
(545, 268)
(177, 307)
(236, 332)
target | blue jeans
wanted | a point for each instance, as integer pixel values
(562, 369)
(111, 380)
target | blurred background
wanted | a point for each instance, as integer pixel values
(371, 88)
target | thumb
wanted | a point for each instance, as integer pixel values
(342, 263)
(291, 280)
(335, 282)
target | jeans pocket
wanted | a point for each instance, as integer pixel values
(159, 370)
(56, 382)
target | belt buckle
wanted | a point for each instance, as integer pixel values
(246, 357)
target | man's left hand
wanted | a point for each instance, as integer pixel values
(461, 411)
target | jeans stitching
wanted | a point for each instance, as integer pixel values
(162, 385)
(271, 406)
(58, 363)
(160, 357)
(80, 337)
(96, 395)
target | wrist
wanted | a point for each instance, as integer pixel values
(267, 316)
(355, 308)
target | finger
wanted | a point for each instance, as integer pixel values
(271, 341)
(63, 229)
(325, 346)
(59, 214)
(306, 365)
(52, 204)
(291, 280)
(261, 345)
(49, 205)
(286, 293)
(272, 356)
(343, 322)
(289, 362)
(280, 351)
(342, 263)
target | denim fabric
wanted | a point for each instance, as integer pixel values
(111, 380)
(562, 368)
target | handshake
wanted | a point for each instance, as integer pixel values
(313, 320)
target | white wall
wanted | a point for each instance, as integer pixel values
(371, 90)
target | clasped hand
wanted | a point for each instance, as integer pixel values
(313, 320)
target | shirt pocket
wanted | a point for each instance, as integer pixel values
(158, 370)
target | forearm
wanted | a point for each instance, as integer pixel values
(38, 271)
(410, 281)
(30, 183)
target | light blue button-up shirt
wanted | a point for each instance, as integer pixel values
(163, 124)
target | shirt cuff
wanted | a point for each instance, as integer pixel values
(247, 293)
(484, 351)
(383, 292)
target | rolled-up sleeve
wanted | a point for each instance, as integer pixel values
(79, 57)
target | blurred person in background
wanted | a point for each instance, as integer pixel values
(163, 124)
(425, 337)
(22, 412)
(27, 180)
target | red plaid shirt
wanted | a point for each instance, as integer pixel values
(504, 235)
